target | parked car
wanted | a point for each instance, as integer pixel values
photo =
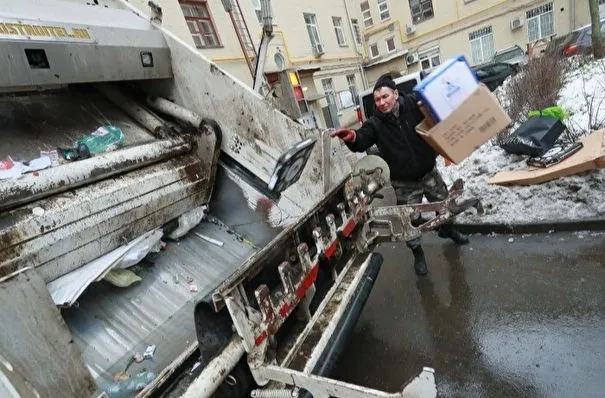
(405, 84)
(494, 74)
(514, 56)
(577, 42)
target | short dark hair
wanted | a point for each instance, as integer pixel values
(385, 81)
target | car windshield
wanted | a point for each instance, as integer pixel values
(508, 54)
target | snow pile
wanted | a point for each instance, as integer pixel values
(569, 198)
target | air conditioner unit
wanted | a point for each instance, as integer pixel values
(410, 29)
(318, 49)
(516, 23)
(411, 58)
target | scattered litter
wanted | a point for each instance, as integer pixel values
(176, 279)
(10, 169)
(511, 240)
(121, 376)
(189, 279)
(131, 385)
(53, 155)
(38, 211)
(551, 231)
(193, 288)
(122, 277)
(104, 139)
(188, 221)
(580, 236)
(209, 239)
(80, 152)
(149, 352)
(195, 366)
(138, 358)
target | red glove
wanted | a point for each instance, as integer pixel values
(347, 135)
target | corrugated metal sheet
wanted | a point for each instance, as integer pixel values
(111, 324)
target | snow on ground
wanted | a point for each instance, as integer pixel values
(570, 198)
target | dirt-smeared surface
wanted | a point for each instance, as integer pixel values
(495, 318)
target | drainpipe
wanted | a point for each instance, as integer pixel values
(363, 73)
(572, 6)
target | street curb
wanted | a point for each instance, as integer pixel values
(532, 228)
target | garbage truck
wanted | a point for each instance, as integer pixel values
(156, 213)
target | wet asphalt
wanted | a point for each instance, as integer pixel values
(495, 318)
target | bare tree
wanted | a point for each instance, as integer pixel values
(597, 41)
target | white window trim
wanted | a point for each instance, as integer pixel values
(356, 30)
(477, 37)
(372, 56)
(342, 31)
(429, 54)
(386, 42)
(330, 92)
(312, 26)
(537, 18)
(369, 15)
(421, 17)
(380, 3)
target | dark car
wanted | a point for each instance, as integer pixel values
(576, 42)
(494, 74)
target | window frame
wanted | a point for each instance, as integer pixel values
(312, 26)
(392, 38)
(352, 83)
(372, 56)
(387, 10)
(367, 18)
(340, 28)
(535, 15)
(330, 92)
(430, 55)
(477, 36)
(421, 15)
(356, 30)
(197, 20)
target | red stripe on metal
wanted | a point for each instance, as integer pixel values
(259, 340)
(331, 249)
(284, 310)
(307, 282)
(348, 229)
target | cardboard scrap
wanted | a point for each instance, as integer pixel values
(591, 156)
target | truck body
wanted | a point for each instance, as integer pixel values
(219, 228)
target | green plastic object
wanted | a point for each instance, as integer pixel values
(104, 139)
(554, 111)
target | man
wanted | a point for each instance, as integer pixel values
(411, 160)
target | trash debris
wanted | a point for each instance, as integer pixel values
(188, 221)
(511, 240)
(80, 152)
(138, 358)
(534, 137)
(195, 366)
(104, 139)
(122, 277)
(189, 279)
(121, 376)
(149, 352)
(209, 239)
(193, 288)
(131, 385)
(10, 169)
(555, 112)
(38, 211)
(53, 155)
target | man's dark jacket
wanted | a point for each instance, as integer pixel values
(409, 157)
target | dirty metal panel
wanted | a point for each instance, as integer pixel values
(32, 334)
(111, 324)
(47, 120)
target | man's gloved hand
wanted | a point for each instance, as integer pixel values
(347, 135)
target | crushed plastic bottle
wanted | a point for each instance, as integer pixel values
(104, 139)
(129, 386)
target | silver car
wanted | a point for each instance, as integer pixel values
(513, 56)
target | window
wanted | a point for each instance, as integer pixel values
(421, 10)
(366, 14)
(353, 88)
(383, 9)
(356, 31)
(540, 22)
(374, 50)
(390, 44)
(257, 9)
(328, 87)
(482, 44)
(200, 24)
(429, 59)
(311, 23)
(340, 33)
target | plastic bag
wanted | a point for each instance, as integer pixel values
(534, 137)
(104, 139)
(554, 111)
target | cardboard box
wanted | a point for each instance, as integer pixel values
(590, 157)
(479, 118)
(447, 87)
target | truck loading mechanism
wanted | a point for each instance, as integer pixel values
(273, 302)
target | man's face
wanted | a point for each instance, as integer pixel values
(385, 99)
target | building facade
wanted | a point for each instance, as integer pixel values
(313, 62)
(405, 36)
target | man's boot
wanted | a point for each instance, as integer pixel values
(419, 261)
(448, 231)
